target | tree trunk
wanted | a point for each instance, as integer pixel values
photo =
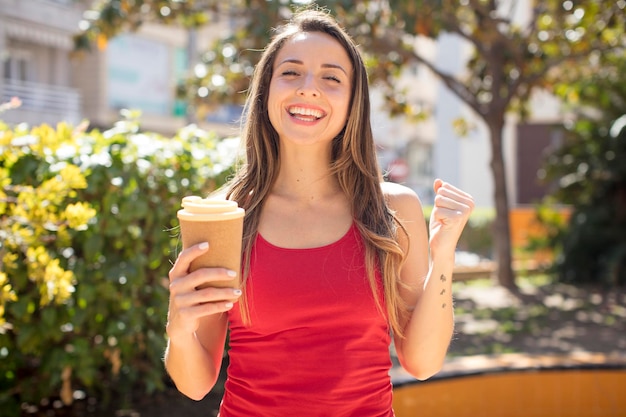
(502, 230)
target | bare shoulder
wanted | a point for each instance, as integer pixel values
(392, 189)
(403, 200)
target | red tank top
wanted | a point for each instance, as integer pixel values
(317, 344)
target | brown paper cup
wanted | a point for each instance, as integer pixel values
(223, 230)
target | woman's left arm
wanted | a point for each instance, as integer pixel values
(427, 273)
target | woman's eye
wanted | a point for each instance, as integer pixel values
(333, 78)
(290, 72)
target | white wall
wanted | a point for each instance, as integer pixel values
(460, 160)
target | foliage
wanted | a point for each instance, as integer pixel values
(591, 176)
(512, 54)
(477, 236)
(88, 233)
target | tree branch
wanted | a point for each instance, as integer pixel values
(453, 84)
(385, 43)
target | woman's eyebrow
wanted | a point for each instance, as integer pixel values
(299, 62)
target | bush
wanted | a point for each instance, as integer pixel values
(477, 236)
(88, 231)
(587, 172)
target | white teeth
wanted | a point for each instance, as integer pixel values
(302, 111)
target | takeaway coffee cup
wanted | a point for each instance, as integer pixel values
(219, 222)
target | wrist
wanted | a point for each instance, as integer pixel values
(179, 337)
(442, 258)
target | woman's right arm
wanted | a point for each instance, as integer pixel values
(197, 324)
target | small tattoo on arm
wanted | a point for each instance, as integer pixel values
(443, 279)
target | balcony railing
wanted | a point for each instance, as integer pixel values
(42, 103)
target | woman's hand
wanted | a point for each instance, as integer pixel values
(450, 213)
(188, 302)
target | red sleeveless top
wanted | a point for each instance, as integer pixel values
(317, 344)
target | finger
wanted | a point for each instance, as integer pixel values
(451, 195)
(437, 184)
(183, 262)
(202, 277)
(202, 310)
(185, 320)
(449, 215)
(453, 202)
(452, 190)
(214, 308)
(442, 186)
(209, 295)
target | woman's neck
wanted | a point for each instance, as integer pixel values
(305, 175)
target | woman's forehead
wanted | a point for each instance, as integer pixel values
(314, 46)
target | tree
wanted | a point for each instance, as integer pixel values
(511, 56)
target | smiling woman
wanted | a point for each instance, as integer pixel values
(309, 92)
(335, 260)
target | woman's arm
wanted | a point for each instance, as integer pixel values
(427, 273)
(197, 324)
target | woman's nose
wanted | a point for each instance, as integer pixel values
(308, 86)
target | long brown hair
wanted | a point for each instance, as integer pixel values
(353, 162)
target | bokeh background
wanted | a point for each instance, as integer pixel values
(111, 111)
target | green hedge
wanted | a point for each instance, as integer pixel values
(88, 231)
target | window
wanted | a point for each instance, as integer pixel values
(18, 66)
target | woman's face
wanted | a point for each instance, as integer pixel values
(309, 92)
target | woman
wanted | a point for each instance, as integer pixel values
(334, 260)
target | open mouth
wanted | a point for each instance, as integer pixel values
(305, 113)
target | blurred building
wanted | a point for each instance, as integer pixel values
(134, 70)
(35, 42)
(141, 70)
